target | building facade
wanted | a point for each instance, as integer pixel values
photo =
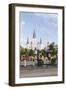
(34, 44)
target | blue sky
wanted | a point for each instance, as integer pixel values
(44, 24)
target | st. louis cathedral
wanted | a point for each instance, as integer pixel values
(34, 44)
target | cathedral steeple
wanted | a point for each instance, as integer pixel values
(40, 41)
(34, 34)
(27, 40)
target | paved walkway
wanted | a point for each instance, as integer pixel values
(36, 71)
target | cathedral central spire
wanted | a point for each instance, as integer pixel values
(34, 34)
(34, 43)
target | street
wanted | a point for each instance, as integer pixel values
(30, 71)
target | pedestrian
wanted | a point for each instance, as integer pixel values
(25, 62)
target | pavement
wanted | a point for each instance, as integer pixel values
(43, 71)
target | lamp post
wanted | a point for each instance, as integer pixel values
(36, 54)
(35, 51)
(48, 51)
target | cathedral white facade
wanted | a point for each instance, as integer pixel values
(34, 44)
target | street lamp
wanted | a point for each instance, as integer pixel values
(35, 51)
(36, 54)
(48, 51)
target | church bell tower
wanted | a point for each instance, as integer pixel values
(34, 41)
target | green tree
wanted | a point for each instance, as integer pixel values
(31, 52)
(53, 48)
(43, 52)
(24, 51)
